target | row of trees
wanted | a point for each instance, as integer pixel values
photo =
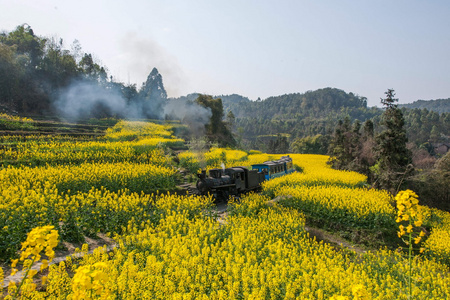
(36, 71)
(385, 157)
(33, 69)
(304, 116)
(438, 105)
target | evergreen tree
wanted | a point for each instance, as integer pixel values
(341, 148)
(368, 131)
(366, 155)
(393, 158)
(154, 95)
(231, 119)
(153, 89)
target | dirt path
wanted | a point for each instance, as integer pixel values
(61, 256)
(332, 239)
(318, 234)
(222, 212)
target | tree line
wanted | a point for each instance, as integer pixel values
(386, 157)
(36, 71)
(33, 69)
(308, 120)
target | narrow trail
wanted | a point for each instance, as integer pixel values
(222, 212)
(60, 256)
(314, 233)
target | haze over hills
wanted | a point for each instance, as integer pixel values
(438, 105)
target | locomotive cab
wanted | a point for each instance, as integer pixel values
(237, 175)
(216, 173)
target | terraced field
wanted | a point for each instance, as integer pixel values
(59, 190)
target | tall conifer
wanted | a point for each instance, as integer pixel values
(393, 158)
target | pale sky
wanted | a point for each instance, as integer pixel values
(257, 48)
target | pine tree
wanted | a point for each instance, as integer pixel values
(153, 89)
(393, 158)
(341, 147)
(154, 95)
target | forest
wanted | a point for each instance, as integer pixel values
(39, 77)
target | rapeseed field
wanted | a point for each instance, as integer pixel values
(172, 246)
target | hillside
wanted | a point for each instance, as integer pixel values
(258, 123)
(296, 115)
(286, 106)
(438, 105)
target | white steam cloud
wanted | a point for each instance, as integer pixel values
(140, 54)
(86, 99)
(190, 113)
(82, 98)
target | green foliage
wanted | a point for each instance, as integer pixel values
(393, 157)
(15, 125)
(433, 186)
(300, 115)
(189, 161)
(216, 129)
(109, 122)
(154, 94)
(317, 144)
(91, 69)
(318, 112)
(34, 68)
(385, 160)
(280, 145)
(254, 152)
(424, 126)
(345, 146)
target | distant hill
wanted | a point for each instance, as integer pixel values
(438, 105)
(312, 103)
(300, 115)
(295, 115)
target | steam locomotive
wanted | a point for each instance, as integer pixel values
(222, 183)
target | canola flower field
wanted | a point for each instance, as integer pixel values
(173, 247)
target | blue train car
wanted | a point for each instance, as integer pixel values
(275, 168)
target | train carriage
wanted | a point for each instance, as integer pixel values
(276, 168)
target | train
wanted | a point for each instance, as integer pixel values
(226, 182)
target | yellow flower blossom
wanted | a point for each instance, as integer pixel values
(173, 247)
